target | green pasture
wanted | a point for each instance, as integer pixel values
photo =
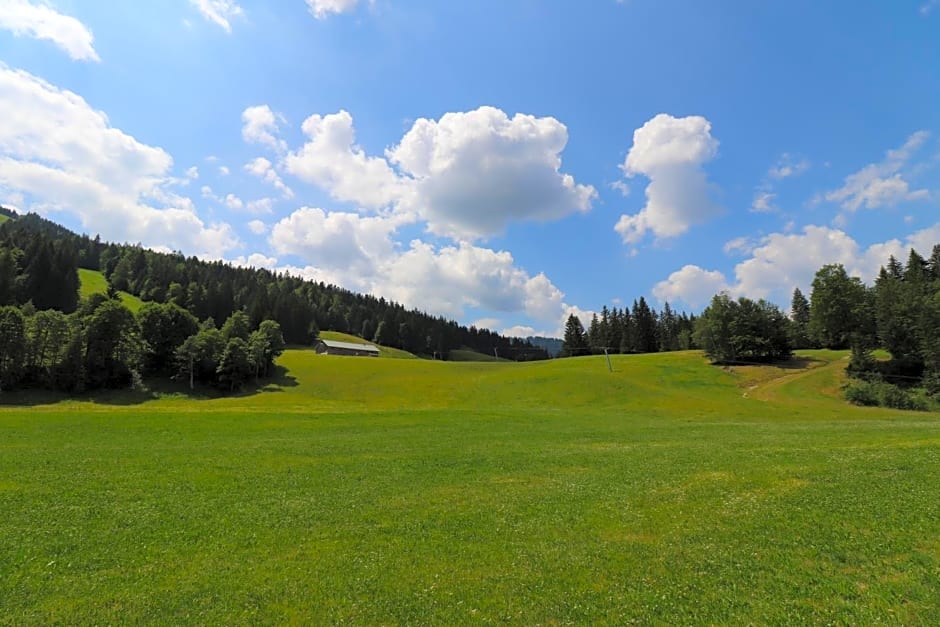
(93, 282)
(383, 491)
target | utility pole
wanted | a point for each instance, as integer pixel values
(607, 355)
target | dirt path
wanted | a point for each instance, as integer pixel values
(768, 391)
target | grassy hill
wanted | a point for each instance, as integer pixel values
(93, 282)
(384, 351)
(417, 491)
(466, 354)
(3, 218)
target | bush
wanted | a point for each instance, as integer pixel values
(862, 393)
(880, 394)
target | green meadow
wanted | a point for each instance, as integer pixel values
(394, 491)
(93, 282)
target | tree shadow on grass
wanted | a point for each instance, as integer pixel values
(151, 389)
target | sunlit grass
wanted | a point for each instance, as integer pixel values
(93, 282)
(390, 491)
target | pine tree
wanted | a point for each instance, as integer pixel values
(799, 320)
(575, 342)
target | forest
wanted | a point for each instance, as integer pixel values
(207, 322)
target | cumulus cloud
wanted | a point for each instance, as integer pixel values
(692, 285)
(261, 125)
(264, 170)
(219, 12)
(321, 9)
(882, 184)
(358, 252)
(782, 261)
(257, 227)
(41, 21)
(255, 260)
(466, 175)
(475, 172)
(60, 155)
(331, 159)
(670, 152)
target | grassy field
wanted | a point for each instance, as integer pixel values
(93, 282)
(415, 491)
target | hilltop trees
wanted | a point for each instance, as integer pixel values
(742, 330)
(836, 306)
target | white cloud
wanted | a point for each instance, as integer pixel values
(475, 172)
(255, 260)
(928, 7)
(224, 171)
(788, 166)
(784, 261)
(670, 152)
(233, 202)
(763, 202)
(467, 175)
(261, 125)
(62, 155)
(192, 173)
(621, 187)
(41, 21)
(261, 205)
(358, 252)
(742, 245)
(220, 12)
(692, 285)
(263, 169)
(322, 9)
(332, 160)
(881, 184)
(257, 227)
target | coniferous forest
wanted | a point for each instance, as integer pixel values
(206, 322)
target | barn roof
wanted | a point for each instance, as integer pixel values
(352, 346)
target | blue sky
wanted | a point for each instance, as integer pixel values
(500, 162)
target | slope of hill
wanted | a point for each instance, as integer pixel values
(93, 282)
(467, 354)
(384, 351)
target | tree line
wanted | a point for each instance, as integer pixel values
(102, 344)
(899, 313)
(32, 248)
(640, 329)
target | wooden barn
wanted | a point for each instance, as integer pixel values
(332, 347)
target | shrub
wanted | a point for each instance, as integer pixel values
(862, 393)
(877, 393)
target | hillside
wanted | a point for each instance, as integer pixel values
(93, 282)
(384, 351)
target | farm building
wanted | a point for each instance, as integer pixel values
(332, 347)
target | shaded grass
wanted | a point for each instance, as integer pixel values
(381, 491)
(94, 282)
(466, 354)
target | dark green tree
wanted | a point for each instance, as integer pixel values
(835, 306)
(12, 346)
(799, 320)
(235, 365)
(575, 340)
(164, 327)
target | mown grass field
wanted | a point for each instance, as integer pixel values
(380, 491)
